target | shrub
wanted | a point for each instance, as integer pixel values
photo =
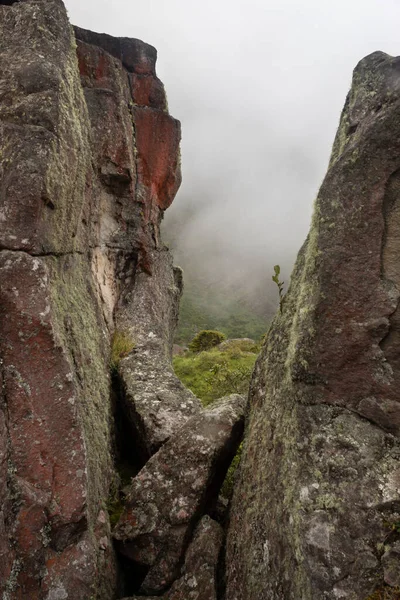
(205, 340)
(227, 486)
(227, 379)
(121, 345)
(240, 345)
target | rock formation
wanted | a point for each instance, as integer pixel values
(316, 508)
(199, 577)
(89, 160)
(174, 487)
(109, 467)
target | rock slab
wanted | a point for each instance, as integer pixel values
(199, 573)
(317, 500)
(170, 493)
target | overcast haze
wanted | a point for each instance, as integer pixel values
(258, 86)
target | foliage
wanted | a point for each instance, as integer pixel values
(227, 486)
(121, 346)
(115, 508)
(205, 340)
(215, 373)
(385, 593)
(224, 380)
(280, 285)
(240, 345)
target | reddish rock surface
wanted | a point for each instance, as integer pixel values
(84, 181)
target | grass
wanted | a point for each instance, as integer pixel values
(217, 372)
(121, 345)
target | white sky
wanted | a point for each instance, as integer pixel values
(258, 86)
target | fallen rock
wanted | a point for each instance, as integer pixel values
(198, 581)
(319, 481)
(172, 491)
(155, 402)
(198, 577)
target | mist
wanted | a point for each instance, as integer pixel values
(258, 86)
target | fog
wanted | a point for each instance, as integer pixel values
(258, 86)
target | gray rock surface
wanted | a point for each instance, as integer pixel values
(171, 492)
(155, 402)
(317, 500)
(199, 572)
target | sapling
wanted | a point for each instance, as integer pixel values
(280, 285)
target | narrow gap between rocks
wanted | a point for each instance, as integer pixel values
(129, 458)
(8, 2)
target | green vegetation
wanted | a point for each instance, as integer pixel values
(205, 340)
(115, 508)
(385, 593)
(121, 346)
(214, 373)
(280, 284)
(227, 486)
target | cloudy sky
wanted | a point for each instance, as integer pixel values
(258, 86)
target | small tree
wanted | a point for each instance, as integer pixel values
(280, 285)
(205, 340)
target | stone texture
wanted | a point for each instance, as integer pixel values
(79, 224)
(155, 402)
(199, 573)
(171, 492)
(55, 407)
(319, 484)
(198, 579)
(42, 118)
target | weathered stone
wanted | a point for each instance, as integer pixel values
(319, 483)
(199, 573)
(155, 402)
(198, 581)
(171, 492)
(79, 218)
(42, 118)
(135, 55)
(391, 565)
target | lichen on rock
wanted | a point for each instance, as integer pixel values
(80, 114)
(319, 478)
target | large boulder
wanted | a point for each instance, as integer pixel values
(173, 490)
(316, 507)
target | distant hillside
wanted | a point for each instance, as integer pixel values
(238, 300)
(211, 306)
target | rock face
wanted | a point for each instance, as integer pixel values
(173, 489)
(154, 402)
(89, 160)
(316, 508)
(199, 573)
